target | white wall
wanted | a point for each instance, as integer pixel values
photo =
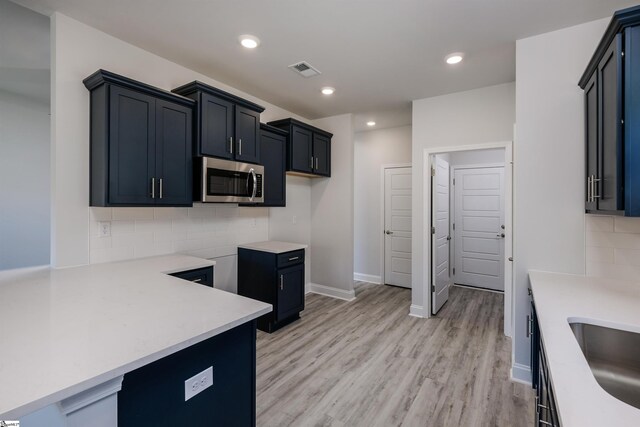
(477, 157)
(211, 230)
(372, 149)
(472, 117)
(549, 163)
(24, 181)
(293, 222)
(332, 214)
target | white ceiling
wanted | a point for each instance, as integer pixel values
(378, 54)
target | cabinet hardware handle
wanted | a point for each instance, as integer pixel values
(153, 188)
(589, 189)
(294, 258)
(311, 165)
(197, 280)
(239, 146)
(528, 326)
(231, 144)
(281, 282)
(546, 423)
(316, 163)
(595, 194)
(160, 188)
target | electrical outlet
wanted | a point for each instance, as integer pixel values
(104, 229)
(198, 383)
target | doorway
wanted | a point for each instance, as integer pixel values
(397, 226)
(478, 240)
(476, 248)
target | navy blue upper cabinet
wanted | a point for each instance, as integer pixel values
(227, 126)
(308, 149)
(141, 139)
(611, 86)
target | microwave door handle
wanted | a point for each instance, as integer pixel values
(255, 184)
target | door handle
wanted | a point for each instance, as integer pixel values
(316, 163)
(448, 237)
(594, 193)
(153, 188)
(239, 146)
(281, 282)
(311, 165)
(160, 184)
(197, 280)
(501, 235)
(388, 232)
(255, 184)
(231, 144)
(589, 188)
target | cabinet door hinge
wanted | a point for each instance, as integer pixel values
(454, 181)
(433, 172)
(433, 288)
(433, 230)
(454, 225)
(454, 271)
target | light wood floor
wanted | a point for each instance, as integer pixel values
(367, 363)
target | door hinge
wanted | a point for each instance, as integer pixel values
(433, 230)
(622, 53)
(454, 225)
(433, 288)
(454, 181)
(454, 271)
(433, 172)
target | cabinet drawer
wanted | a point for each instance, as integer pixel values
(290, 258)
(203, 276)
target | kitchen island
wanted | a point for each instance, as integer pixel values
(68, 336)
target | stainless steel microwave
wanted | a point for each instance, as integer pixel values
(225, 181)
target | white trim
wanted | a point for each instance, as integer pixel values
(521, 373)
(332, 292)
(369, 278)
(90, 396)
(382, 197)
(426, 220)
(478, 166)
(417, 311)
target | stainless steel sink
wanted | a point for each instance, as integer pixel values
(614, 358)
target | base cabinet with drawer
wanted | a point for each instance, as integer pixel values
(202, 276)
(274, 278)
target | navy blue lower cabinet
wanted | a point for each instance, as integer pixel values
(154, 395)
(202, 276)
(277, 279)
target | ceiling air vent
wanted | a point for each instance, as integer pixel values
(304, 69)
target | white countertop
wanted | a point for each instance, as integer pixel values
(564, 298)
(274, 246)
(64, 331)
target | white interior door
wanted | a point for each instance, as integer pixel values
(397, 226)
(440, 238)
(479, 227)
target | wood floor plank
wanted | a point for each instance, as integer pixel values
(367, 363)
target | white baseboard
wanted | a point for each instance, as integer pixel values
(521, 373)
(369, 278)
(332, 292)
(417, 311)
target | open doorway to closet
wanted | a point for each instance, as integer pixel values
(468, 222)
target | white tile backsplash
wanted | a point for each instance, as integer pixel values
(612, 246)
(206, 230)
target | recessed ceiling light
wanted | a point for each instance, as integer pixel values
(454, 58)
(371, 123)
(249, 41)
(328, 90)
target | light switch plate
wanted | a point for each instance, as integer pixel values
(198, 383)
